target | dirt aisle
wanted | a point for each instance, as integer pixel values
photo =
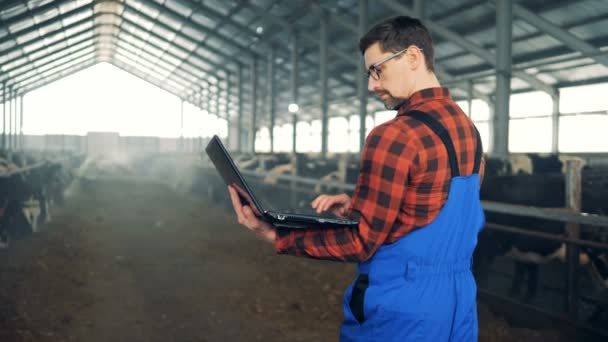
(133, 261)
(126, 261)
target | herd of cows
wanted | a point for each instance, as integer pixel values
(30, 187)
(530, 180)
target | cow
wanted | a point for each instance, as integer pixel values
(546, 188)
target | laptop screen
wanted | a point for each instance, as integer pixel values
(230, 173)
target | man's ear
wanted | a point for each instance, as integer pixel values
(413, 58)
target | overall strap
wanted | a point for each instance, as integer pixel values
(478, 153)
(443, 134)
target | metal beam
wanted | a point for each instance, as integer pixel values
(145, 75)
(184, 82)
(324, 28)
(21, 85)
(188, 21)
(223, 21)
(557, 32)
(530, 36)
(4, 99)
(555, 124)
(54, 56)
(32, 13)
(475, 49)
(272, 93)
(20, 136)
(223, 67)
(47, 35)
(59, 74)
(203, 79)
(254, 98)
(24, 88)
(420, 9)
(347, 24)
(295, 83)
(6, 4)
(362, 92)
(10, 118)
(16, 121)
(309, 63)
(486, 22)
(29, 61)
(16, 82)
(350, 58)
(470, 95)
(500, 121)
(269, 42)
(343, 21)
(53, 20)
(147, 72)
(240, 109)
(139, 74)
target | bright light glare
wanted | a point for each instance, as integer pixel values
(293, 108)
(102, 98)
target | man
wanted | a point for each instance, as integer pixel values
(417, 200)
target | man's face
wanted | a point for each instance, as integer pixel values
(391, 86)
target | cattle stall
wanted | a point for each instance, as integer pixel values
(574, 296)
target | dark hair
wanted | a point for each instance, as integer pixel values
(397, 33)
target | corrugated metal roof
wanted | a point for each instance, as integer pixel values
(194, 48)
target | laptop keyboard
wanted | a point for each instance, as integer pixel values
(308, 211)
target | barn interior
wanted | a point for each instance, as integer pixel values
(116, 226)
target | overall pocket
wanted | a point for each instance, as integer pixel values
(357, 299)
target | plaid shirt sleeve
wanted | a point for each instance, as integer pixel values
(387, 158)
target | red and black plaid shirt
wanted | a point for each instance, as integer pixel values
(403, 182)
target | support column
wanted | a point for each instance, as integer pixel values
(470, 98)
(181, 127)
(4, 99)
(555, 123)
(239, 138)
(20, 136)
(199, 103)
(573, 202)
(228, 104)
(10, 118)
(504, 27)
(361, 80)
(323, 78)
(16, 122)
(272, 94)
(420, 9)
(294, 82)
(254, 102)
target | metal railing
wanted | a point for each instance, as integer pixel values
(570, 215)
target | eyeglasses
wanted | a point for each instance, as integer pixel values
(373, 70)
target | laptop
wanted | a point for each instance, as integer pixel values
(298, 218)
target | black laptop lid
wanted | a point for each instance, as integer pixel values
(231, 175)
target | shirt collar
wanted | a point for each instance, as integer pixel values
(423, 96)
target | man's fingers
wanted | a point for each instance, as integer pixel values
(248, 213)
(325, 202)
(236, 203)
(316, 201)
(330, 203)
(252, 222)
(321, 205)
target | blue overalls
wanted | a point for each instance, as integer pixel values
(421, 287)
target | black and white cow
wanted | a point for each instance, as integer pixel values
(545, 187)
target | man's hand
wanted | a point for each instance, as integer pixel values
(247, 218)
(337, 204)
